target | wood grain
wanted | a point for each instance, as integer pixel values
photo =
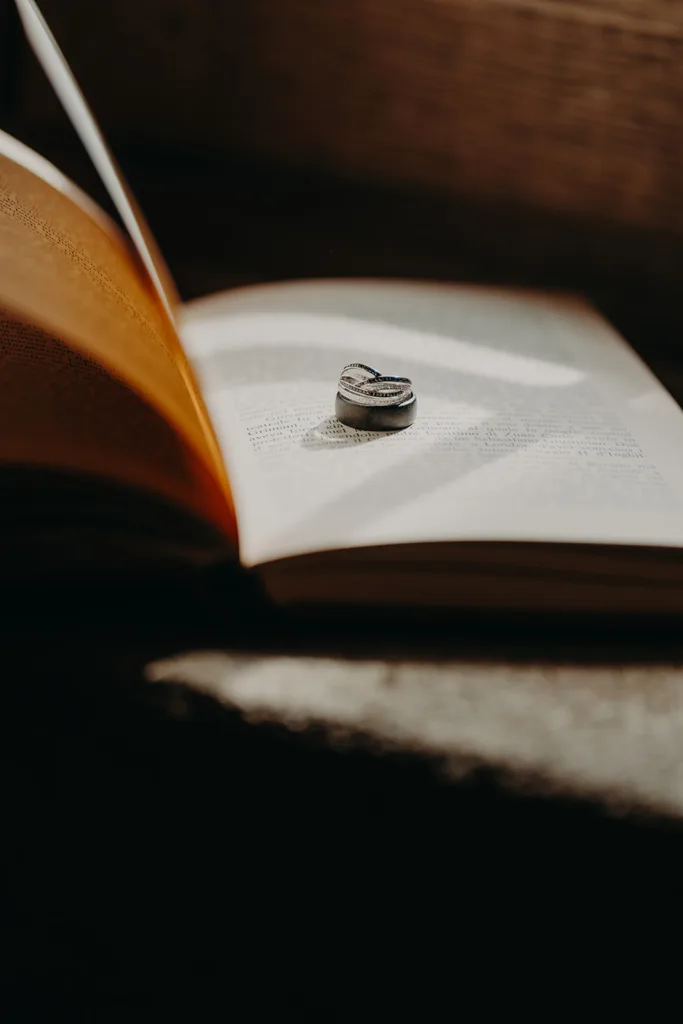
(565, 106)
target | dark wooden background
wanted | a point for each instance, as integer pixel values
(567, 106)
(496, 139)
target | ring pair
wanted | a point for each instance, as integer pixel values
(369, 400)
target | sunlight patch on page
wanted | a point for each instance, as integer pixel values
(326, 332)
(528, 425)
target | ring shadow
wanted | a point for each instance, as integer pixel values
(330, 433)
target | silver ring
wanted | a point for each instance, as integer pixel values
(366, 386)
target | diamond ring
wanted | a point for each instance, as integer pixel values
(370, 400)
(365, 386)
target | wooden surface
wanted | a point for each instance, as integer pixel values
(586, 711)
(594, 717)
(285, 833)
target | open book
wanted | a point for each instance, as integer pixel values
(544, 470)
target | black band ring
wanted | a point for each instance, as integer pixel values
(375, 417)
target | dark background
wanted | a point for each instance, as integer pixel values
(165, 858)
(537, 143)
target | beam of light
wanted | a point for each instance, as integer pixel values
(210, 331)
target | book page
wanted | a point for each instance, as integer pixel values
(151, 261)
(536, 421)
(66, 269)
(64, 411)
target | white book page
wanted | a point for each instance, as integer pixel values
(536, 421)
